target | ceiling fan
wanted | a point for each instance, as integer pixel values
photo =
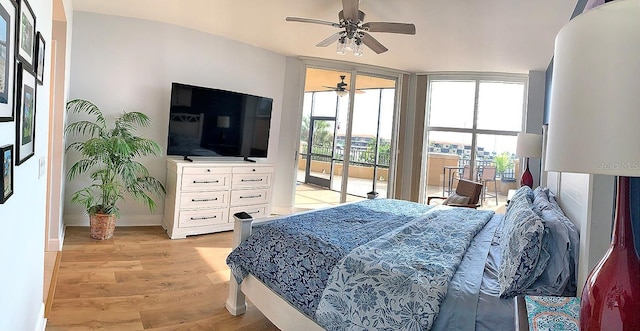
(341, 87)
(354, 32)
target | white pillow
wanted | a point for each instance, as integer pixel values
(455, 199)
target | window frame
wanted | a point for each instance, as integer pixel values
(474, 131)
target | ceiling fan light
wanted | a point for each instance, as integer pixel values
(340, 47)
(342, 93)
(350, 45)
(358, 50)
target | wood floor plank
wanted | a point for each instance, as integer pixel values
(142, 280)
(105, 320)
(88, 277)
(101, 265)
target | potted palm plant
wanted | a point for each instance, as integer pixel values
(108, 156)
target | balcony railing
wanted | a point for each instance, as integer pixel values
(508, 174)
(367, 159)
(358, 157)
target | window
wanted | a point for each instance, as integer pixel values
(472, 120)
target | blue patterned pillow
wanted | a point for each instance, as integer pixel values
(523, 194)
(521, 243)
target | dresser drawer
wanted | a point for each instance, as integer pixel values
(250, 180)
(213, 199)
(205, 170)
(205, 182)
(253, 170)
(249, 197)
(202, 217)
(254, 211)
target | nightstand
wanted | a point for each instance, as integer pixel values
(510, 195)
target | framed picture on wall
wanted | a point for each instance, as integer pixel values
(25, 114)
(40, 48)
(26, 35)
(7, 58)
(6, 172)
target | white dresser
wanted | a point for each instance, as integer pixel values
(202, 196)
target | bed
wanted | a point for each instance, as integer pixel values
(392, 264)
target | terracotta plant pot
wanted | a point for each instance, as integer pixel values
(102, 226)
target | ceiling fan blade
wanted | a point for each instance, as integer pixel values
(350, 9)
(330, 40)
(406, 28)
(311, 20)
(372, 43)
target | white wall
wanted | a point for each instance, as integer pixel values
(285, 183)
(129, 64)
(23, 215)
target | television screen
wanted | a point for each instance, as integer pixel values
(211, 122)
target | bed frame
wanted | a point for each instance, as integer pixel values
(271, 305)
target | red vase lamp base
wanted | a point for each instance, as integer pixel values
(611, 295)
(527, 178)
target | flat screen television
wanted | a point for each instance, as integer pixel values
(211, 122)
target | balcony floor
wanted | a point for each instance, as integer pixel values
(314, 197)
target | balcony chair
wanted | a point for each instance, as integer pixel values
(467, 195)
(489, 175)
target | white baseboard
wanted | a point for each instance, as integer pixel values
(124, 220)
(55, 244)
(41, 324)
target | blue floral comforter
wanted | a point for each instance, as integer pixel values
(398, 281)
(295, 256)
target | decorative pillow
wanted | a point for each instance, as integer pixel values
(521, 243)
(455, 199)
(574, 249)
(524, 193)
(553, 279)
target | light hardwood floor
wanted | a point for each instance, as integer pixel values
(142, 280)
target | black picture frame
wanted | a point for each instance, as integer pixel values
(6, 172)
(25, 114)
(26, 35)
(40, 52)
(8, 12)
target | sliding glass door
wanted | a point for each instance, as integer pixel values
(346, 148)
(371, 137)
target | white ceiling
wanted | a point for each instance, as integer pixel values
(452, 35)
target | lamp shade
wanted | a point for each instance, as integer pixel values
(529, 145)
(595, 103)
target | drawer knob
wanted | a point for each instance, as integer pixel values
(254, 169)
(208, 170)
(203, 218)
(206, 181)
(250, 196)
(251, 180)
(204, 200)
